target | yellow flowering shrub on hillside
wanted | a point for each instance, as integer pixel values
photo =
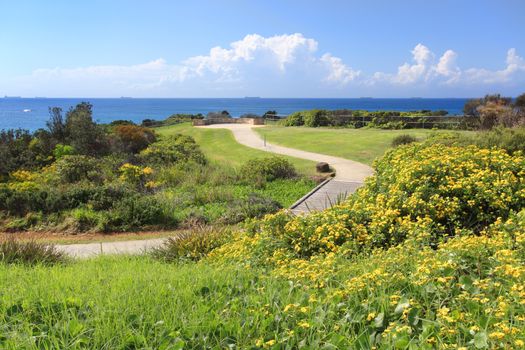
(428, 193)
(429, 254)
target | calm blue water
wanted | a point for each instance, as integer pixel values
(12, 113)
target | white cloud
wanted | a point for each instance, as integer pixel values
(411, 73)
(338, 71)
(514, 70)
(447, 66)
(425, 70)
(280, 65)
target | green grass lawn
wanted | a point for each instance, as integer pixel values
(362, 145)
(220, 146)
(138, 303)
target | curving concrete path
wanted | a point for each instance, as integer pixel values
(346, 169)
(349, 176)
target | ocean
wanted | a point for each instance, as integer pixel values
(32, 113)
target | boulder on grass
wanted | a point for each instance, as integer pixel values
(322, 167)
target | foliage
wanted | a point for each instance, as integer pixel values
(520, 101)
(173, 149)
(315, 118)
(255, 206)
(510, 139)
(75, 168)
(379, 119)
(83, 134)
(403, 139)
(419, 191)
(294, 119)
(138, 176)
(63, 150)
(268, 169)
(133, 139)
(30, 253)
(191, 245)
(15, 152)
(137, 212)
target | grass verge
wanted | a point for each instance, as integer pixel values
(362, 145)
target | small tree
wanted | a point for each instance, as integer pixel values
(83, 133)
(56, 124)
(133, 138)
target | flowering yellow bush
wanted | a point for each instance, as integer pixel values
(430, 253)
(424, 192)
(137, 176)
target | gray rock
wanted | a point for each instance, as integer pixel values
(322, 167)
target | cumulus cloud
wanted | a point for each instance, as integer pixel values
(277, 60)
(280, 65)
(445, 71)
(515, 68)
(338, 71)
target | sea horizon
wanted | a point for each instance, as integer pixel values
(31, 113)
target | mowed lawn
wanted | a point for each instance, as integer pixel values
(362, 145)
(220, 146)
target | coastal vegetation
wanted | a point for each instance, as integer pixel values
(79, 176)
(485, 113)
(429, 253)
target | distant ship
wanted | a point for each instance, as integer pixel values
(251, 97)
(126, 97)
(12, 96)
(26, 110)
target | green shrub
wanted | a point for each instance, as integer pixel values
(61, 150)
(255, 206)
(74, 168)
(404, 139)
(30, 253)
(137, 212)
(191, 246)
(25, 223)
(268, 169)
(294, 119)
(315, 118)
(428, 193)
(132, 138)
(84, 219)
(511, 140)
(173, 149)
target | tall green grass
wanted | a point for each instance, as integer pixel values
(138, 303)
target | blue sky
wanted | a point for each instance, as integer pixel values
(262, 48)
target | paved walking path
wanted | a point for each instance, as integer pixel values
(346, 169)
(87, 250)
(349, 176)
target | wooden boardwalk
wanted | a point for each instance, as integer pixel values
(327, 194)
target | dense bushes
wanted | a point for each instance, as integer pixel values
(424, 192)
(133, 139)
(15, 151)
(268, 169)
(174, 149)
(74, 168)
(510, 139)
(254, 206)
(379, 119)
(404, 139)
